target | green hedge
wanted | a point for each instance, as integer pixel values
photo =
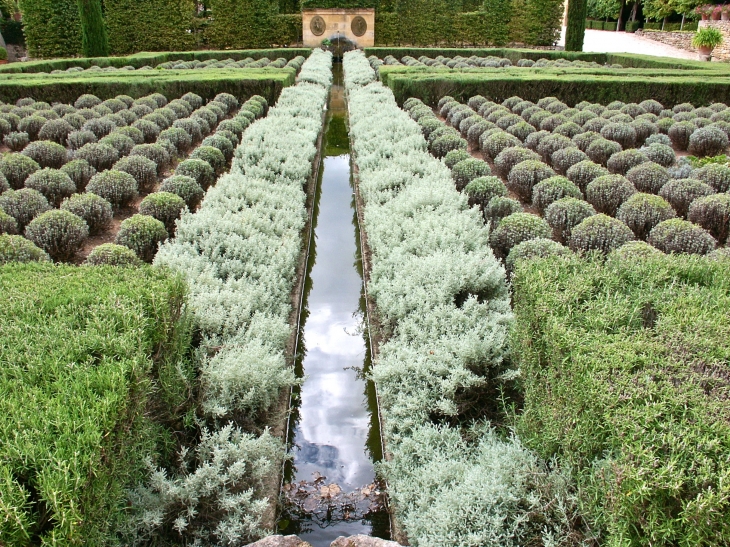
(242, 83)
(671, 27)
(151, 59)
(345, 4)
(12, 31)
(625, 371)
(288, 29)
(242, 23)
(576, 27)
(149, 25)
(52, 27)
(76, 344)
(569, 85)
(513, 54)
(94, 41)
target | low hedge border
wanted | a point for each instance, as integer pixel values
(152, 59)
(242, 83)
(569, 85)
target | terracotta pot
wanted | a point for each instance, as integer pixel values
(725, 16)
(716, 16)
(18, 16)
(4, 62)
(705, 17)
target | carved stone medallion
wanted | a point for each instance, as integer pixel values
(359, 26)
(317, 25)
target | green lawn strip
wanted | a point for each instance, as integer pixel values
(66, 88)
(152, 59)
(569, 85)
(625, 370)
(76, 377)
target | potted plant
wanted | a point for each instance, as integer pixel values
(3, 56)
(706, 39)
(717, 13)
(705, 11)
(725, 10)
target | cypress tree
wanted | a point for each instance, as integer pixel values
(94, 41)
(576, 27)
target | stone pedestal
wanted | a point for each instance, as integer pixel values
(356, 25)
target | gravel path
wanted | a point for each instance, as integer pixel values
(600, 41)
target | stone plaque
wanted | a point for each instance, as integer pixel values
(317, 25)
(359, 26)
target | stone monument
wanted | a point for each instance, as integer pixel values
(355, 25)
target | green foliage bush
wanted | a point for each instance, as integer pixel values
(608, 192)
(94, 210)
(15, 248)
(641, 212)
(111, 254)
(500, 207)
(185, 187)
(242, 23)
(599, 233)
(467, 170)
(56, 131)
(80, 173)
(117, 187)
(46, 154)
(99, 156)
(165, 207)
(565, 214)
(659, 153)
(565, 158)
(455, 156)
(552, 189)
(16, 140)
(509, 157)
(515, 229)
(680, 236)
(680, 193)
(598, 333)
(16, 168)
(716, 175)
(708, 141)
(680, 133)
(713, 214)
(59, 233)
(149, 25)
(481, 190)
(55, 185)
(534, 248)
(199, 170)
(525, 175)
(8, 225)
(648, 177)
(621, 162)
(634, 250)
(584, 172)
(143, 234)
(23, 205)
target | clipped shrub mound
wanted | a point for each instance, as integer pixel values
(608, 192)
(198, 170)
(509, 157)
(165, 207)
(552, 189)
(117, 187)
(525, 175)
(185, 187)
(143, 170)
(16, 141)
(584, 172)
(16, 168)
(659, 153)
(94, 210)
(713, 214)
(648, 177)
(565, 214)
(641, 212)
(23, 205)
(500, 207)
(534, 248)
(80, 172)
(599, 233)
(634, 250)
(565, 158)
(708, 141)
(111, 254)
(679, 133)
(60, 233)
(680, 236)
(714, 174)
(600, 150)
(143, 234)
(621, 162)
(516, 228)
(454, 157)
(46, 154)
(682, 192)
(8, 225)
(14, 248)
(467, 170)
(99, 156)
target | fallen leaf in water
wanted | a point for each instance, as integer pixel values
(330, 491)
(366, 491)
(310, 504)
(318, 477)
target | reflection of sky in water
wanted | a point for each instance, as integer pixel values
(333, 426)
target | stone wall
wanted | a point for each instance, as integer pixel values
(357, 25)
(681, 40)
(721, 52)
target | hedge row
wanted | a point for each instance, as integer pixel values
(443, 312)
(429, 22)
(149, 25)
(570, 85)
(77, 346)
(624, 366)
(241, 83)
(152, 59)
(52, 27)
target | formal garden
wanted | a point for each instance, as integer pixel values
(284, 272)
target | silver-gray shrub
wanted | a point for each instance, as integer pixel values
(240, 300)
(436, 285)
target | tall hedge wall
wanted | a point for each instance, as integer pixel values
(149, 25)
(242, 23)
(94, 41)
(441, 22)
(52, 27)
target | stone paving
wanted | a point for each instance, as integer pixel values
(601, 41)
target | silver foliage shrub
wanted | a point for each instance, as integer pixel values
(239, 254)
(437, 287)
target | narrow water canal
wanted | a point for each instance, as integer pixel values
(330, 487)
